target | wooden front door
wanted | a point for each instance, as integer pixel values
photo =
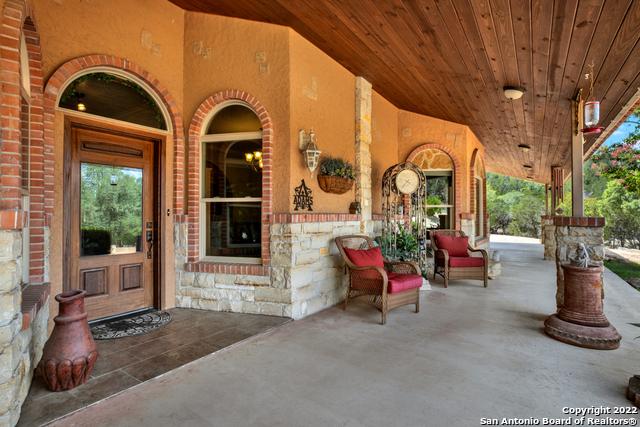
(111, 221)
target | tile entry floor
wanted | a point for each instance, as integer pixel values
(125, 362)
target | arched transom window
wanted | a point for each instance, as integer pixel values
(115, 97)
(231, 186)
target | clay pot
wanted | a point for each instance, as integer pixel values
(70, 353)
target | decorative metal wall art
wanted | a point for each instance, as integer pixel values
(302, 198)
(404, 230)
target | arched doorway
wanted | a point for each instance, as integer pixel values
(115, 131)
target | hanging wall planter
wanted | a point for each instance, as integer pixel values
(336, 176)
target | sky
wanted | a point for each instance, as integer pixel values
(622, 132)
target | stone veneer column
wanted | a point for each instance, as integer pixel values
(569, 232)
(363, 144)
(548, 237)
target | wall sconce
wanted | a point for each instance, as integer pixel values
(309, 148)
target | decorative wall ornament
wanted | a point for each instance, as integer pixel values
(404, 194)
(302, 198)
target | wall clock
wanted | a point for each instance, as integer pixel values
(407, 181)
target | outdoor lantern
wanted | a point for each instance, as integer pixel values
(310, 151)
(591, 109)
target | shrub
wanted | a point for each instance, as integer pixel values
(337, 167)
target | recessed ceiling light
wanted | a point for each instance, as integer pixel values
(524, 147)
(513, 92)
(527, 166)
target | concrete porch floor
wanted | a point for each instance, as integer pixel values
(470, 353)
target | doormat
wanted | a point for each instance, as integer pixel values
(138, 324)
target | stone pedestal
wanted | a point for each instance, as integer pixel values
(569, 232)
(580, 321)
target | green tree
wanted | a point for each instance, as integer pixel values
(621, 161)
(514, 205)
(621, 209)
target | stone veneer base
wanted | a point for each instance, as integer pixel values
(598, 338)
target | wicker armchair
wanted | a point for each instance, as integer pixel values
(461, 268)
(379, 283)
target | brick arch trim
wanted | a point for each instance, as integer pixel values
(61, 76)
(202, 114)
(457, 174)
(17, 20)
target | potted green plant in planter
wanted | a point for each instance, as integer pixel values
(336, 175)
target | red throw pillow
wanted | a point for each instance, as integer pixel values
(365, 257)
(456, 246)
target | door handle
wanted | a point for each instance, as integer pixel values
(149, 239)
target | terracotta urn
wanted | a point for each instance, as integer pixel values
(70, 353)
(581, 320)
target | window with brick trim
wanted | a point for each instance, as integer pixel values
(479, 207)
(231, 186)
(25, 153)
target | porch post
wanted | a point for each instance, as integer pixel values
(362, 146)
(577, 142)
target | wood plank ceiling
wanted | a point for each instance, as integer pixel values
(451, 59)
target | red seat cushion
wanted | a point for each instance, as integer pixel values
(403, 282)
(466, 261)
(456, 246)
(365, 257)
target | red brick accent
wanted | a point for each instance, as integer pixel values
(578, 221)
(466, 215)
(12, 219)
(57, 82)
(193, 168)
(17, 21)
(290, 218)
(227, 268)
(457, 174)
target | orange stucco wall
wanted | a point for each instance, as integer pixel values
(147, 31)
(322, 98)
(195, 55)
(416, 129)
(384, 144)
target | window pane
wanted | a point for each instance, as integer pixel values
(110, 209)
(438, 190)
(479, 201)
(234, 118)
(439, 218)
(233, 229)
(115, 97)
(229, 173)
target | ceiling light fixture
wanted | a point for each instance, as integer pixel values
(524, 147)
(527, 166)
(513, 92)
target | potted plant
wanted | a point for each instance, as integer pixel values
(336, 175)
